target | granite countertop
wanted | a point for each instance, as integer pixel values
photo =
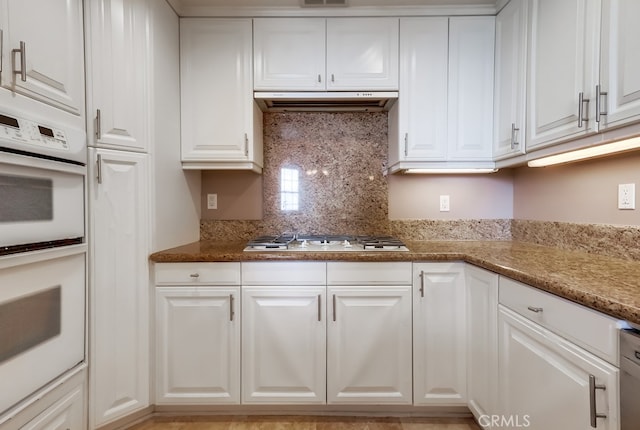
(606, 284)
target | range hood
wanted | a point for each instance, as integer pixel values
(343, 101)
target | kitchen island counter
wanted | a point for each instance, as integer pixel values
(609, 285)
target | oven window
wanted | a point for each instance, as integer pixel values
(24, 198)
(29, 321)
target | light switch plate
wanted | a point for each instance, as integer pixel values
(626, 196)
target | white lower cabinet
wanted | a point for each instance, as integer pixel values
(118, 285)
(197, 333)
(439, 333)
(482, 343)
(66, 413)
(284, 345)
(283, 332)
(198, 345)
(369, 333)
(557, 362)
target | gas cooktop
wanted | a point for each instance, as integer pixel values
(325, 243)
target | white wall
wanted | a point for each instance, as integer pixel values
(177, 193)
(471, 196)
(583, 192)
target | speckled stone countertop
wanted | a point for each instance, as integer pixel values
(606, 284)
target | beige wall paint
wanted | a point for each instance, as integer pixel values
(584, 192)
(239, 195)
(471, 196)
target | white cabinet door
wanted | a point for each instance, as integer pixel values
(620, 62)
(471, 46)
(510, 80)
(369, 345)
(53, 51)
(198, 345)
(482, 342)
(421, 109)
(221, 124)
(66, 413)
(439, 328)
(289, 54)
(117, 78)
(119, 284)
(544, 379)
(563, 50)
(444, 116)
(362, 53)
(283, 345)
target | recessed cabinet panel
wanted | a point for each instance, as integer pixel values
(439, 333)
(117, 58)
(284, 345)
(362, 53)
(369, 345)
(289, 53)
(510, 80)
(51, 32)
(620, 63)
(563, 46)
(198, 345)
(221, 125)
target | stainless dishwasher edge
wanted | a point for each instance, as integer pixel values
(629, 379)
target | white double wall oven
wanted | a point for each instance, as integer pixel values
(43, 254)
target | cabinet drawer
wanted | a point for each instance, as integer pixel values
(284, 273)
(388, 273)
(197, 273)
(585, 327)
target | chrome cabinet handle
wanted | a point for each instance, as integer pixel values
(333, 78)
(246, 145)
(319, 78)
(319, 307)
(231, 311)
(592, 401)
(23, 61)
(599, 94)
(334, 307)
(514, 134)
(534, 309)
(194, 276)
(406, 144)
(98, 124)
(422, 283)
(581, 109)
(99, 169)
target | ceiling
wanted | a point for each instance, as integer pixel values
(289, 7)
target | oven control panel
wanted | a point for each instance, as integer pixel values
(31, 133)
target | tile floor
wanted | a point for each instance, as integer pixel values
(304, 423)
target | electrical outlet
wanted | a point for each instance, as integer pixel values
(444, 203)
(212, 201)
(626, 196)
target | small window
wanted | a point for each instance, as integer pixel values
(289, 189)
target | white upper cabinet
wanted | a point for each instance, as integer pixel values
(563, 48)
(117, 90)
(444, 116)
(318, 54)
(471, 46)
(510, 80)
(619, 64)
(362, 54)
(422, 121)
(50, 65)
(289, 54)
(221, 124)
